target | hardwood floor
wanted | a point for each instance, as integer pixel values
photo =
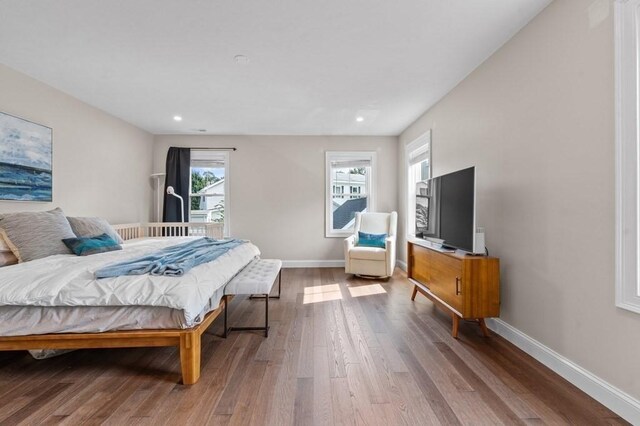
(340, 351)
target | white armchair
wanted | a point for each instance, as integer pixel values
(372, 261)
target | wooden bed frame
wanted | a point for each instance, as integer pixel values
(188, 340)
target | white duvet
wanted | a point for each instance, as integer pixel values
(68, 280)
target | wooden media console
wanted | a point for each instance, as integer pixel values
(467, 287)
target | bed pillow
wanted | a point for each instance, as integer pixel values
(92, 226)
(371, 240)
(6, 255)
(34, 235)
(3, 243)
(86, 246)
(7, 258)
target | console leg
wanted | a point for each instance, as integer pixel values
(483, 326)
(415, 290)
(454, 327)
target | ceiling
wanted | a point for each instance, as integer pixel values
(313, 66)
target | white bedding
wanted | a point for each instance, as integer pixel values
(24, 320)
(67, 280)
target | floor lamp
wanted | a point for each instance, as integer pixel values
(170, 191)
(158, 177)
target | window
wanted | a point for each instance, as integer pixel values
(353, 171)
(209, 198)
(418, 155)
(627, 150)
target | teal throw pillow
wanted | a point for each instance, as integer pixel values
(85, 246)
(371, 240)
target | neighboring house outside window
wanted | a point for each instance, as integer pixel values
(355, 171)
(210, 187)
(418, 164)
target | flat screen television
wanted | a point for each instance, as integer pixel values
(446, 210)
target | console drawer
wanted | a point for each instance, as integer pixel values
(420, 265)
(445, 279)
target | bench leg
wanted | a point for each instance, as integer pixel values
(190, 357)
(266, 316)
(266, 321)
(226, 308)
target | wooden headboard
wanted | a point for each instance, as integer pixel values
(130, 231)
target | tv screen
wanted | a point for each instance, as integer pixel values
(445, 209)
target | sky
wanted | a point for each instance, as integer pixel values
(200, 170)
(24, 143)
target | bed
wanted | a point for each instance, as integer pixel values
(56, 303)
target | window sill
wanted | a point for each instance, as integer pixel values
(339, 234)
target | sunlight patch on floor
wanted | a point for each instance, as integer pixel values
(321, 293)
(366, 290)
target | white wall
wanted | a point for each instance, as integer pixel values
(101, 164)
(277, 187)
(537, 119)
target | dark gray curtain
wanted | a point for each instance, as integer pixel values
(178, 170)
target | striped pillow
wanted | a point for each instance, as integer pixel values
(34, 235)
(92, 226)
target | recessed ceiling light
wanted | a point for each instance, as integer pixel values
(241, 59)
(177, 118)
(360, 119)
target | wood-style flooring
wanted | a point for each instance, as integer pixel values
(341, 350)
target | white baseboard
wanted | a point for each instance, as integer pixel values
(402, 265)
(326, 264)
(313, 263)
(611, 397)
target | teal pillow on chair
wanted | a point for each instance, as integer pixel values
(371, 240)
(85, 246)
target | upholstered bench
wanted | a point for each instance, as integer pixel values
(257, 280)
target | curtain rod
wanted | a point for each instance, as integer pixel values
(214, 149)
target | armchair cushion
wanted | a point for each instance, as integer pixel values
(368, 253)
(371, 240)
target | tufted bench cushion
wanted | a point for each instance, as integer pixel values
(257, 277)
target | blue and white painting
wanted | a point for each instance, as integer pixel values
(25, 160)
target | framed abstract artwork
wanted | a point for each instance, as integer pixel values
(26, 159)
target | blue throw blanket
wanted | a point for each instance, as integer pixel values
(172, 261)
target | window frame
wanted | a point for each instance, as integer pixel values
(370, 192)
(226, 229)
(627, 163)
(417, 144)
